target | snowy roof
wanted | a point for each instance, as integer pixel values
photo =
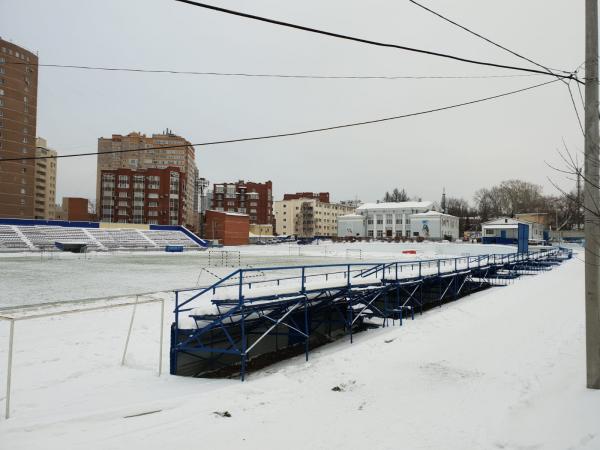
(350, 216)
(504, 221)
(431, 214)
(394, 205)
(229, 213)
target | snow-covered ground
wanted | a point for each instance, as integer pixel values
(502, 369)
(33, 278)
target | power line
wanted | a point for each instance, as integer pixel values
(275, 75)
(575, 109)
(550, 72)
(367, 41)
(485, 38)
(295, 133)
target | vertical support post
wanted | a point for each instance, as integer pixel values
(305, 326)
(160, 340)
(173, 362)
(592, 197)
(398, 307)
(350, 313)
(242, 325)
(303, 287)
(348, 276)
(137, 297)
(11, 336)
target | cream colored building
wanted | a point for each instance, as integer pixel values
(308, 217)
(157, 158)
(45, 181)
(258, 229)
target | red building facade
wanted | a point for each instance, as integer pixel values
(227, 228)
(322, 197)
(254, 199)
(148, 196)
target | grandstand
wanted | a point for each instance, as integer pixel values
(32, 235)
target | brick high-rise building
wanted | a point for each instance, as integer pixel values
(152, 196)
(165, 159)
(254, 199)
(45, 181)
(18, 108)
(322, 197)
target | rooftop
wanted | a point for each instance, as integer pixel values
(393, 205)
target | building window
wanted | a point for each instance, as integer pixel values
(370, 233)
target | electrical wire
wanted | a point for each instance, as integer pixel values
(367, 41)
(550, 72)
(275, 75)
(294, 133)
(485, 38)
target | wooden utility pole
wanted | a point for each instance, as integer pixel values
(591, 199)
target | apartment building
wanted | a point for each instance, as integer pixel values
(323, 197)
(254, 199)
(18, 111)
(308, 217)
(149, 196)
(164, 152)
(45, 181)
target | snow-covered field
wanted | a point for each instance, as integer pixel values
(502, 369)
(33, 278)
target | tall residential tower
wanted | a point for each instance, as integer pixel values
(18, 107)
(147, 183)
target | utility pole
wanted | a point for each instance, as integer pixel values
(591, 199)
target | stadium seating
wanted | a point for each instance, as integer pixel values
(42, 237)
(10, 239)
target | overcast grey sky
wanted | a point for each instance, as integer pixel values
(463, 149)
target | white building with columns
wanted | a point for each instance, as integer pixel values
(390, 220)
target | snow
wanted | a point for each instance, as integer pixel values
(503, 368)
(37, 278)
(394, 205)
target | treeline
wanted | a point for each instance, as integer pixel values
(509, 198)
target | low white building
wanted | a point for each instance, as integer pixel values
(434, 225)
(505, 230)
(390, 220)
(351, 225)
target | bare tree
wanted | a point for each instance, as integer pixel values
(396, 196)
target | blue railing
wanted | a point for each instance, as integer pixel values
(358, 270)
